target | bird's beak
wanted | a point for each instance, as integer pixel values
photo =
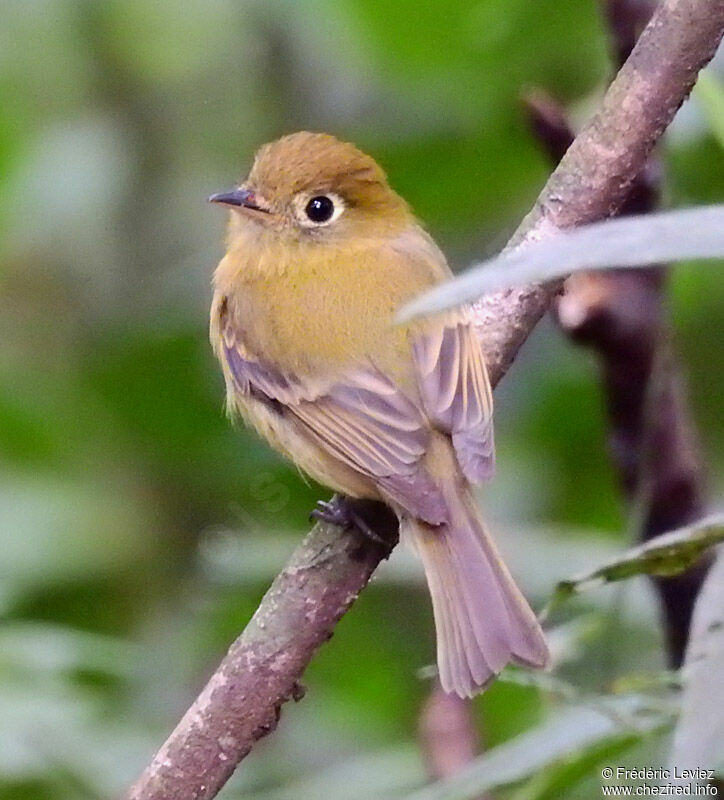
(243, 198)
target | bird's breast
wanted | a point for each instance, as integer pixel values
(323, 312)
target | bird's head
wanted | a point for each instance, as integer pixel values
(313, 187)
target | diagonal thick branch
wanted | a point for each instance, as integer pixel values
(242, 700)
(621, 315)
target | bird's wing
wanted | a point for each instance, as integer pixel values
(456, 393)
(362, 419)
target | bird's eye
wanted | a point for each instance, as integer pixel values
(317, 210)
(320, 209)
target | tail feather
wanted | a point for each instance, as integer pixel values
(449, 638)
(481, 618)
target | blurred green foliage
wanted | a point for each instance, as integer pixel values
(138, 529)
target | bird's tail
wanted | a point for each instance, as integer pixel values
(481, 618)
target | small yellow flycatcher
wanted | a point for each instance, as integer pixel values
(321, 253)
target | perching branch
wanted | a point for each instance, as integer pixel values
(594, 176)
(621, 316)
(242, 701)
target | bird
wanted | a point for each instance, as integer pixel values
(321, 253)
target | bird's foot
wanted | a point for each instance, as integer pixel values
(339, 511)
(334, 511)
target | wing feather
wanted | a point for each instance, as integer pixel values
(456, 393)
(362, 419)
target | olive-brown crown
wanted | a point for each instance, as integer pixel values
(318, 162)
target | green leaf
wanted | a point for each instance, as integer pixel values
(36, 648)
(553, 781)
(668, 554)
(370, 776)
(699, 734)
(636, 241)
(567, 735)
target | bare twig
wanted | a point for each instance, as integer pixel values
(626, 19)
(448, 735)
(549, 123)
(241, 702)
(622, 317)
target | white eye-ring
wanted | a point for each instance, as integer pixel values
(319, 209)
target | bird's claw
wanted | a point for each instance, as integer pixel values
(332, 511)
(338, 512)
